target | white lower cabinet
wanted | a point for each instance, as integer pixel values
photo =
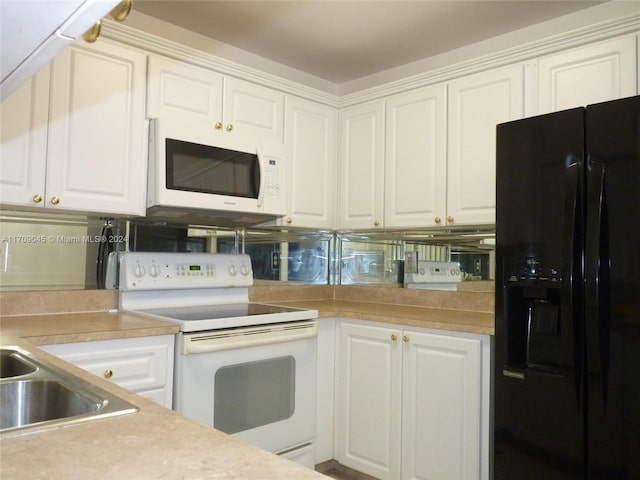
(143, 365)
(412, 403)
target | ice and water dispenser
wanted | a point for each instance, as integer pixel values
(533, 312)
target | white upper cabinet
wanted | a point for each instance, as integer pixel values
(96, 155)
(415, 163)
(591, 74)
(183, 92)
(311, 152)
(79, 145)
(361, 173)
(477, 103)
(231, 106)
(23, 132)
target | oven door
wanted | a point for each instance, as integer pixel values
(257, 383)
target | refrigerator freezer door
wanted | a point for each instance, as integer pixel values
(538, 404)
(612, 279)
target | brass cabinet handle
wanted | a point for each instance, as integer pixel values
(437, 220)
(108, 373)
(218, 125)
(376, 223)
(55, 200)
(91, 35)
(229, 127)
(394, 337)
(37, 198)
(405, 338)
(450, 218)
(289, 220)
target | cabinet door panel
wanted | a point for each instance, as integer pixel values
(369, 400)
(591, 74)
(415, 163)
(23, 151)
(253, 111)
(143, 365)
(182, 91)
(311, 158)
(476, 105)
(96, 152)
(441, 407)
(361, 196)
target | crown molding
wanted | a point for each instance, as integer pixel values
(150, 43)
(521, 53)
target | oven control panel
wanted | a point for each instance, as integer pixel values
(160, 271)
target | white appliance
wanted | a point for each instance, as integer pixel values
(244, 368)
(196, 173)
(434, 276)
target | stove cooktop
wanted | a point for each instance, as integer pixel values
(215, 317)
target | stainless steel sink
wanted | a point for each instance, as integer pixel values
(12, 364)
(36, 394)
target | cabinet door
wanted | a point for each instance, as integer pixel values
(441, 407)
(477, 103)
(415, 164)
(591, 74)
(96, 156)
(185, 92)
(369, 396)
(23, 152)
(311, 158)
(253, 111)
(142, 365)
(361, 174)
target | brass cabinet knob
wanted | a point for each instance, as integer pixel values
(229, 127)
(437, 220)
(376, 223)
(37, 198)
(394, 337)
(55, 200)
(405, 338)
(450, 219)
(289, 220)
(108, 373)
(218, 125)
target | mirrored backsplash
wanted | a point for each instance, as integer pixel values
(67, 252)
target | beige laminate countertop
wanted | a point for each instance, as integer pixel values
(153, 443)
(156, 442)
(413, 316)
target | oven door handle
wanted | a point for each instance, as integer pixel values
(220, 340)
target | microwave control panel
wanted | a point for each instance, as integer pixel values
(273, 178)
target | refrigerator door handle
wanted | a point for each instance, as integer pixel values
(597, 281)
(570, 344)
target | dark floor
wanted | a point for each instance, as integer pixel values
(334, 470)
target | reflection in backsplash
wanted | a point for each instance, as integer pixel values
(56, 252)
(65, 252)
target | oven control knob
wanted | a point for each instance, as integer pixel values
(244, 269)
(154, 271)
(138, 270)
(233, 270)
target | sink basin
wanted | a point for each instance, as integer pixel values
(37, 394)
(12, 364)
(34, 401)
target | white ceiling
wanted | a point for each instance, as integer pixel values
(340, 41)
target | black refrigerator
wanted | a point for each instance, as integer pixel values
(566, 383)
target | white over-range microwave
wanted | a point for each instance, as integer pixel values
(197, 173)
